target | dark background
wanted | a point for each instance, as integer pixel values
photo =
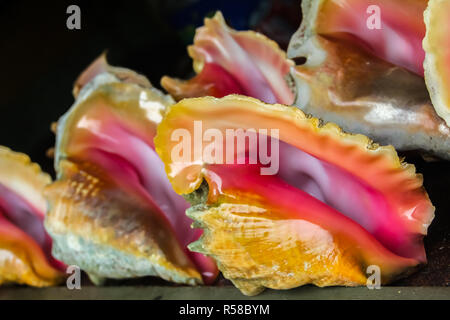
(41, 58)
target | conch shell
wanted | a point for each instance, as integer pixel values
(25, 247)
(368, 81)
(392, 30)
(337, 204)
(228, 61)
(112, 210)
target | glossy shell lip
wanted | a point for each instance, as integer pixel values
(249, 203)
(25, 247)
